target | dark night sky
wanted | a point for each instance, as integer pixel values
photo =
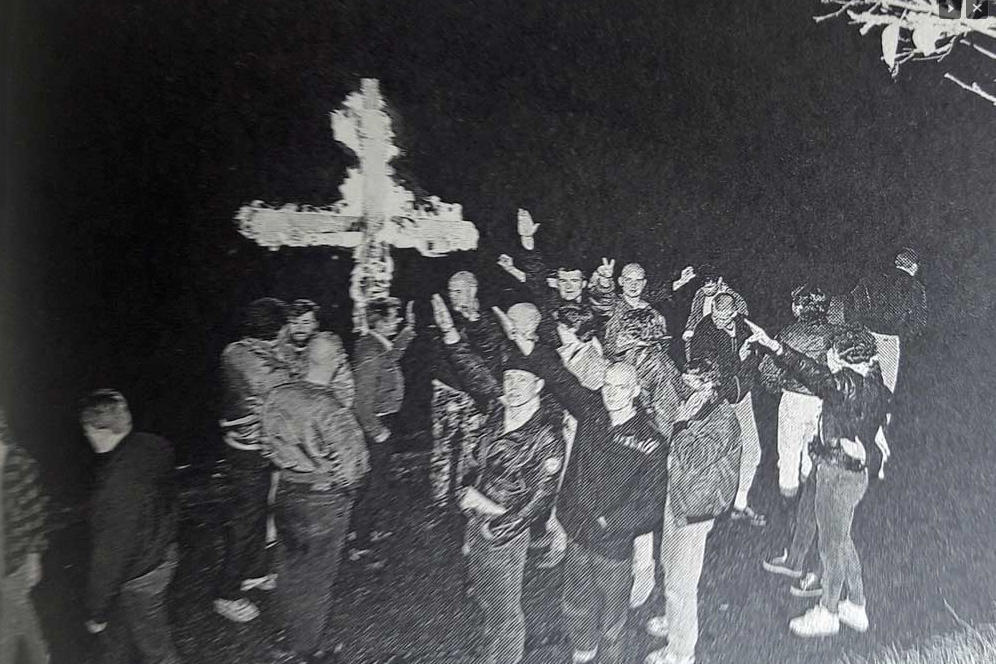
(741, 133)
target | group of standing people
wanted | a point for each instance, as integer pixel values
(569, 422)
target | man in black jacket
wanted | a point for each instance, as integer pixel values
(518, 455)
(613, 491)
(133, 533)
(722, 337)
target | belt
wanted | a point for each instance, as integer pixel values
(836, 456)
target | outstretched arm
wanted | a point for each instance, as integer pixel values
(471, 369)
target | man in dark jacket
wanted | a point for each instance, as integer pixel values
(518, 456)
(318, 446)
(703, 468)
(799, 410)
(855, 404)
(893, 305)
(613, 491)
(22, 542)
(133, 533)
(722, 337)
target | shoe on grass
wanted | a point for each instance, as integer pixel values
(853, 615)
(657, 627)
(808, 586)
(662, 656)
(267, 583)
(380, 535)
(779, 565)
(237, 610)
(818, 621)
(748, 514)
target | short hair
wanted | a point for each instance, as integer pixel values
(264, 318)
(300, 307)
(724, 301)
(105, 409)
(462, 276)
(579, 318)
(379, 308)
(709, 272)
(644, 324)
(630, 267)
(853, 344)
(703, 368)
(907, 257)
(568, 267)
(811, 302)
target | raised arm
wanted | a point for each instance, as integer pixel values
(474, 374)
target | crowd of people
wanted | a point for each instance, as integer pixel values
(575, 422)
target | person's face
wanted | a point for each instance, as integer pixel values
(101, 440)
(570, 284)
(619, 390)
(388, 324)
(303, 327)
(463, 295)
(632, 283)
(696, 383)
(710, 288)
(520, 387)
(723, 317)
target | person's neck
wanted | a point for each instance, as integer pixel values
(622, 415)
(516, 416)
(633, 301)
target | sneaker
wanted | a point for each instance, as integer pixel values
(779, 565)
(818, 621)
(748, 514)
(237, 610)
(662, 656)
(853, 615)
(657, 627)
(584, 656)
(267, 583)
(808, 586)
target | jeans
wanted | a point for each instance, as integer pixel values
(682, 555)
(370, 502)
(245, 536)
(750, 457)
(497, 574)
(138, 620)
(798, 422)
(596, 596)
(838, 492)
(19, 622)
(805, 525)
(312, 527)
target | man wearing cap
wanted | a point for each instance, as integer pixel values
(518, 455)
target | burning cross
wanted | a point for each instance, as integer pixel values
(374, 213)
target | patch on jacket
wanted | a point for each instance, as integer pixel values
(643, 445)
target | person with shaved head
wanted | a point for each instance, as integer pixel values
(632, 283)
(613, 491)
(722, 338)
(318, 445)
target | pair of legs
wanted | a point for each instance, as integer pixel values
(838, 492)
(750, 456)
(371, 501)
(682, 556)
(139, 622)
(595, 599)
(246, 555)
(313, 526)
(496, 573)
(18, 621)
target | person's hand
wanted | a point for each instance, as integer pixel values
(95, 627)
(558, 545)
(441, 314)
(687, 335)
(486, 532)
(686, 275)
(759, 336)
(603, 524)
(746, 347)
(506, 263)
(33, 568)
(604, 272)
(525, 224)
(567, 336)
(410, 314)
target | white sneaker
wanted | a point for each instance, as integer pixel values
(818, 621)
(267, 583)
(663, 657)
(584, 656)
(237, 610)
(853, 615)
(657, 627)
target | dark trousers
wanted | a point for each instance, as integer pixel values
(804, 532)
(596, 596)
(246, 556)
(838, 492)
(497, 574)
(312, 527)
(138, 621)
(371, 501)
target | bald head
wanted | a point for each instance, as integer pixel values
(463, 291)
(620, 387)
(324, 356)
(724, 311)
(463, 279)
(526, 318)
(632, 279)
